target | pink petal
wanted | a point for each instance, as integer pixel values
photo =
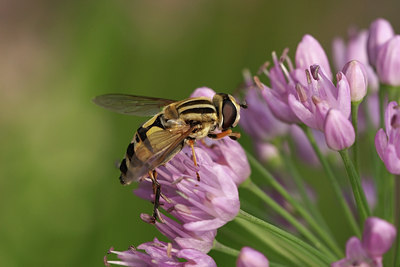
(302, 112)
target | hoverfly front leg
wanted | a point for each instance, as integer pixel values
(191, 144)
(233, 136)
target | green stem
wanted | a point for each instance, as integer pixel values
(358, 192)
(225, 249)
(332, 179)
(397, 211)
(289, 217)
(390, 198)
(354, 120)
(313, 253)
(303, 212)
(382, 97)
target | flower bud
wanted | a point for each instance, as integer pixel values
(378, 236)
(380, 31)
(357, 78)
(249, 257)
(338, 130)
(388, 62)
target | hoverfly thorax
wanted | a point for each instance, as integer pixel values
(228, 111)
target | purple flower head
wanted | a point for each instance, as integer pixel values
(388, 143)
(388, 62)
(257, 120)
(357, 77)
(281, 86)
(311, 103)
(377, 239)
(380, 31)
(339, 132)
(161, 254)
(356, 49)
(249, 257)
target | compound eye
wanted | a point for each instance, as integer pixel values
(229, 113)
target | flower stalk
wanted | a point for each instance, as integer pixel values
(358, 192)
(313, 253)
(354, 120)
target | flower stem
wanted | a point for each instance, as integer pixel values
(225, 249)
(397, 216)
(333, 181)
(382, 98)
(354, 120)
(303, 212)
(358, 192)
(312, 252)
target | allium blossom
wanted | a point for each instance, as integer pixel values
(161, 254)
(377, 239)
(387, 142)
(249, 257)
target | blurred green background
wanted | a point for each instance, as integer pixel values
(60, 199)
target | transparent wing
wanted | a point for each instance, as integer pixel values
(165, 144)
(131, 104)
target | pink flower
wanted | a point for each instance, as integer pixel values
(282, 85)
(312, 102)
(380, 31)
(388, 62)
(357, 77)
(377, 239)
(339, 132)
(249, 257)
(388, 143)
(356, 49)
(161, 254)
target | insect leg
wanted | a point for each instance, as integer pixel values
(228, 132)
(157, 193)
(191, 144)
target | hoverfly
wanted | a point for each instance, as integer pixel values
(174, 124)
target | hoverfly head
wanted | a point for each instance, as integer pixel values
(228, 111)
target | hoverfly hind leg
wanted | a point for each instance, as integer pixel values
(157, 194)
(191, 144)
